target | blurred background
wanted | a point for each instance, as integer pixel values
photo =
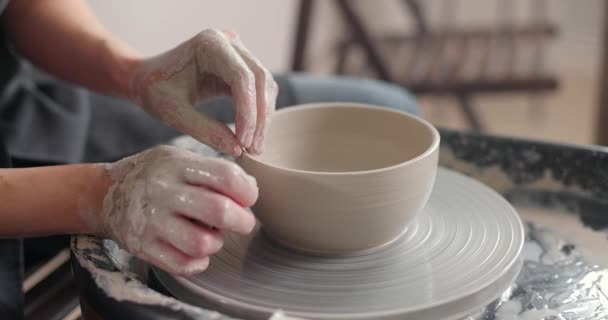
(525, 68)
(512, 67)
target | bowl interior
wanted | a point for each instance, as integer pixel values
(344, 138)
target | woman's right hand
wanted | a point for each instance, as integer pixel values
(211, 64)
(170, 207)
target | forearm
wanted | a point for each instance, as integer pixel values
(52, 200)
(65, 38)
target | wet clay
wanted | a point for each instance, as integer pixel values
(211, 64)
(168, 207)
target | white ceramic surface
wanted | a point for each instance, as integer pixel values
(340, 177)
(460, 253)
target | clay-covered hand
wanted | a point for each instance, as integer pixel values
(169, 207)
(211, 64)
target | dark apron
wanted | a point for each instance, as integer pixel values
(11, 266)
(11, 250)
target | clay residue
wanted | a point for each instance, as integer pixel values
(500, 181)
(563, 276)
(124, 287)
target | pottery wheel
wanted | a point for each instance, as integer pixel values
(461, 253)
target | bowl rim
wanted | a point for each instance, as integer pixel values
(351, 105)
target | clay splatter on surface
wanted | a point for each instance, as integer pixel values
(564, 276)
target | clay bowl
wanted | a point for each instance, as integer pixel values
(342, 178)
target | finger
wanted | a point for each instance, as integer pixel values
(223, 60)
(259, 143)
(224, 177)
(213, 209)
(168, 258)
(191, 239)
(206, 130)
(266, 92)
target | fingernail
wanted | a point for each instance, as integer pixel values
(251, 227)
(197, 266)
(229, 219)
(217, 246)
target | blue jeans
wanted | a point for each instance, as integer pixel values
(310, 88)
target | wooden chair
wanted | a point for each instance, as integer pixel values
(445, 60)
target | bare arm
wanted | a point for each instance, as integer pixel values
(165, 205)
(65, 38)
(51, 200)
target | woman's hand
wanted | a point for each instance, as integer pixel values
(169, 207)
(211, 64)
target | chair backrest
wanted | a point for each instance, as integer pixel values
(505, 10)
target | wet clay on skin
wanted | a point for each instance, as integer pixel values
(211, 64)
(168, 206)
